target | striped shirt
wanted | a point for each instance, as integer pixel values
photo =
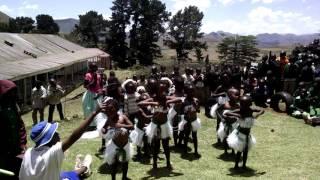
(130, 104)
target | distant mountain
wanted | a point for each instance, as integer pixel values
(268, 40)
(66, 25)
(4, 18)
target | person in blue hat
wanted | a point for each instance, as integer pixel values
(43, 162)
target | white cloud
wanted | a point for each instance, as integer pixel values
(203, 5)
(226, 2)
(263, 1)
(265, 20)
(5, 9)
(230, 2)
(28, 6)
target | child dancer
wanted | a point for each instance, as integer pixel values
(227, 125)
(177, 108)
(240, 139)
(116, 133)
(160, 129)
(130, 100)
(190, 122)
(138, 135)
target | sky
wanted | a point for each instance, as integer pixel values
(235, 16)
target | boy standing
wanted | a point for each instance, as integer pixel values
(38, 96)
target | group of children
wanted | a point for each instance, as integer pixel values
(147, 112)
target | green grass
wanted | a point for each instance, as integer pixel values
(286, 149)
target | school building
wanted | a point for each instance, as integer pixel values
(25, 58)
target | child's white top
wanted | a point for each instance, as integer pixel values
(43, 163)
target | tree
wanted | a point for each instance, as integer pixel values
(238, 49)
(46, 24)
(19, 25)
(148, 17)
(116, 40)
(89, 29)
(24, 24)
(185, 32)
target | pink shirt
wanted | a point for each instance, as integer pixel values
(97, 87)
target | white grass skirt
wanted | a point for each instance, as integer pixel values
(223, 130)
(195, 125)
(238, 141)
(136, 136)
(213, 110)
(165, 131)
(171, 114)
(113, 151)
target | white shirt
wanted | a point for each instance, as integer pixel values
(43, 163)
(38, 97)
(55, 94)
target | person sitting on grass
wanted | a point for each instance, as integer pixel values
(190, 123)
(44, 161)
(311, 120)
(228, 125)
(301, 102)
(240, 139)
(118, 147)
(315, 94)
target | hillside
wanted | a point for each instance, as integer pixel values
(4, 18)
(66, 25)
(267, 40)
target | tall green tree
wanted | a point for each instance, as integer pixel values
(116, 41)
(148, 17)
(185, 32)
(90, 28)
(46, 24)
(24, 24)
(238, 49)
(19, 25)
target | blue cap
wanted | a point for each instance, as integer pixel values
(43, 132)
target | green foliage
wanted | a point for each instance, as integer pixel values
(116, 43)
(185, 32)
(89, 30)
(4, 27)
(148, 18)
(46, 24)
(238, 49)
(18, 25)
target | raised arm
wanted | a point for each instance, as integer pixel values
(126, 123)
(258, 112)
(148, 102)
(76, 134)
(173, 100)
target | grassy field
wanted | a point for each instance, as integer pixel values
(286, 149)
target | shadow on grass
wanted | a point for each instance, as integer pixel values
(248, 172)
(190, 156)
(226, 157)
(106, 169)
(218, 145)
(160, 173)
(99, 156)
(143, 159)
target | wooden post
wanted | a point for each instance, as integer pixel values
(24, 91)
(72, 72)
